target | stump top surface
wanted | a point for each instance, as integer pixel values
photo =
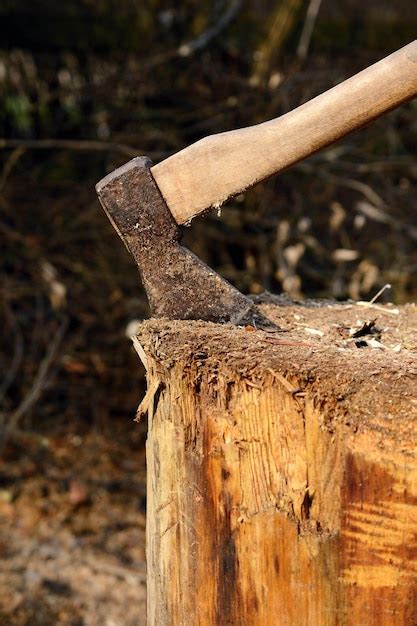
(371, 377)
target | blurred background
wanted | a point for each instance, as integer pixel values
(84, 86)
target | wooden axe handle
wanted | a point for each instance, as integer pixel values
(218, 167)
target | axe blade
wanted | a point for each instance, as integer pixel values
(178, 284)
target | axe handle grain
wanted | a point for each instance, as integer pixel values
(218, 167)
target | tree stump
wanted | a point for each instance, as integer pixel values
(282, 469)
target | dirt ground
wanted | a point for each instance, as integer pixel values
(72, 521)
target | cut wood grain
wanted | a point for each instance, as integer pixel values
(268, 507)
(218, 167)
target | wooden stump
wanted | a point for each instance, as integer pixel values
(282, 469)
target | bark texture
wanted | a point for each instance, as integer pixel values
(272, 506)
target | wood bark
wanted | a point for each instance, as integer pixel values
(282, 477)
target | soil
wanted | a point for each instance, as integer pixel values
(72, 521)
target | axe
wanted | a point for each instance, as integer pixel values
(146, 203)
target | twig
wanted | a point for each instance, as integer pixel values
(282, 22)
(71, 144)
(9, 165)
(148, 399)
(17, 354)
(377, 307)
(374, 208)
(39, 382)
(378, 215)
(371, 304)
(284, 382)
(357, 185)
(379, 293)
(351, 183)
(204, 38)
(307, 32)
(201, 41)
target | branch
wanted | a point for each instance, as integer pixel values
(200, 42)
(13, 326)
(67, 144)
(40, 380)
(204, 38)
(307, 32)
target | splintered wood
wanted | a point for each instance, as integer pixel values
(282, 479)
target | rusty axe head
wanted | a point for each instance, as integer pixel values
(177, 283)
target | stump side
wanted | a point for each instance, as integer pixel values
(267, 505)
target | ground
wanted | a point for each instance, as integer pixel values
(72, 520)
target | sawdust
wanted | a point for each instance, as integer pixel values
(361, 380)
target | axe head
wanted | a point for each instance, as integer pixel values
(177, 283)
